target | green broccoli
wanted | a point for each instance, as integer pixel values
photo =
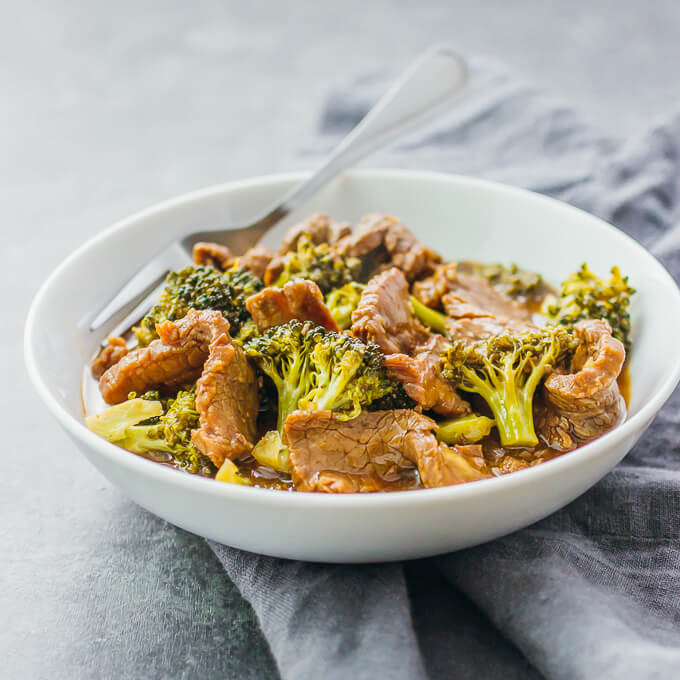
(200, 288)
(341, 302)
(584, 295)
(315, 369)
(431, 318)
(505, 371)
(142, 426)
(507, 279)
(465, 429)
(319, 263)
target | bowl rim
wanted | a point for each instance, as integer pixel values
(139, 465)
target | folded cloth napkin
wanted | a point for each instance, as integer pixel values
(592, 591)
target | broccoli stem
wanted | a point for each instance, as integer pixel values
(465, 429)
(430, 317)
(511, 405)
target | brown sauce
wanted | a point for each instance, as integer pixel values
(625, 384)
(263, 476)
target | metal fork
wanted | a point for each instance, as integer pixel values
(421, 92)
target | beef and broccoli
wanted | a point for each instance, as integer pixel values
(356, 359)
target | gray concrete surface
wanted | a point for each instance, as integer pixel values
(109, 107)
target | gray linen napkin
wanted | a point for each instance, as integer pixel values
(592, 591)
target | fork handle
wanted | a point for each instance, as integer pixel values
(419, 94)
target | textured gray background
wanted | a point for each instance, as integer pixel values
(108, 108)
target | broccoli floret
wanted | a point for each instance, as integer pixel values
(341, 302)
(505, 371)
(508, 279)
(584, 295)
(201, 288)
(142, 426)
(113, 423)
(319, 263)
(315, 369)
(465, 429)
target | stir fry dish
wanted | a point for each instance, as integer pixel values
(357, 360)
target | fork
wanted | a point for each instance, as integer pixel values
(421, 92)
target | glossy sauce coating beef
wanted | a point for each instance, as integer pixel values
(298, 299)
(176, 358)
(377, 451)
(109, 355)
(423, 381)
(388, 241)
(227, 401)
(372, 452)
(384, 317)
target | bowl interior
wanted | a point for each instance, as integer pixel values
(459, 217)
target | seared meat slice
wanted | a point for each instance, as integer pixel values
(319, 227)
(256, 260)
(226, 400)
(586, 402)
(384, 317)
(431, 289)
(212, 255)
(443, 465)
(298, 299)
(403, 249)
(423, 381)
(477, 310)
(466, 296)
(375, 451)
(108, 356)
(177, 357)
(273, 270)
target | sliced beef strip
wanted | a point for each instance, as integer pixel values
(423, 381)
(444, 465)
(377, 231)
(384, 317)
(584, 403)
(177, 357)
(273, 270)
(256, 260)
(475, 308)
(212, 255)
(109, 355)
(467, 296)
(227, 401)
(299, 299)
(375, 451)
(431, 289)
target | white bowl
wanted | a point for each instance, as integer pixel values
(460, 217)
